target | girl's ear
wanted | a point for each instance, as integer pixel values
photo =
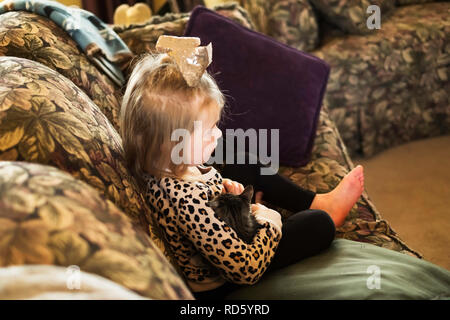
(247, 193)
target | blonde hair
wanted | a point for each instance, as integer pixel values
(157, 100)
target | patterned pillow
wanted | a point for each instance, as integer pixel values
(292, 22)
(350, 15)
(49, 218)
(242, 60)
(45, 118)
(37, 38)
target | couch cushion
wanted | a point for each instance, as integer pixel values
(350, 15)
(45, 118)
(292, 22)
(31, 36)
(48, 217)
(270, 85)
(352, 271)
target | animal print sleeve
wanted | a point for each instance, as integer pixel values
(238, 261)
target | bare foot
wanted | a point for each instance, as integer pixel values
(338, 202)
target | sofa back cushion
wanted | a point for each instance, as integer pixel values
(49, 218)
(31, 36)
(345, 271)
(351, 15)
(45, 118)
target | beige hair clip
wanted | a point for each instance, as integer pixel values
(191, 58)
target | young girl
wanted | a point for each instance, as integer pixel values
(212, 257)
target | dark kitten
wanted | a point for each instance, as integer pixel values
(235, 210)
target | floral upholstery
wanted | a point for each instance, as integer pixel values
(350, 15)
(142, 38)
(31, 36)
(49, 217)
(387, 87)
(46, 119)
(292, 22)
(391, 87)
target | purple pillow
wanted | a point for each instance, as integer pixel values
(268, 84)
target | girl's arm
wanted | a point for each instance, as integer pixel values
(238, 261)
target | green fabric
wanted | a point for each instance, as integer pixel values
(341, 272)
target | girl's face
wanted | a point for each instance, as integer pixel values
(204, 138)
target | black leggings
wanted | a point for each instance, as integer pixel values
(304, 234)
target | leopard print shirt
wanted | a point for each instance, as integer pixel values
(207, 250)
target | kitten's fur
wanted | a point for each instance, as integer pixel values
(235, 210)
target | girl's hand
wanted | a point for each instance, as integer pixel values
(232, 186)
(257, 206)
(258, 197)
(258, 202)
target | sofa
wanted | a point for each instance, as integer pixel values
(67, 199)
(387, 86)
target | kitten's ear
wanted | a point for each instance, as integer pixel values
(248, 192)
(213, 204)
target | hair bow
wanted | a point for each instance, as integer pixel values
(191, 58)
